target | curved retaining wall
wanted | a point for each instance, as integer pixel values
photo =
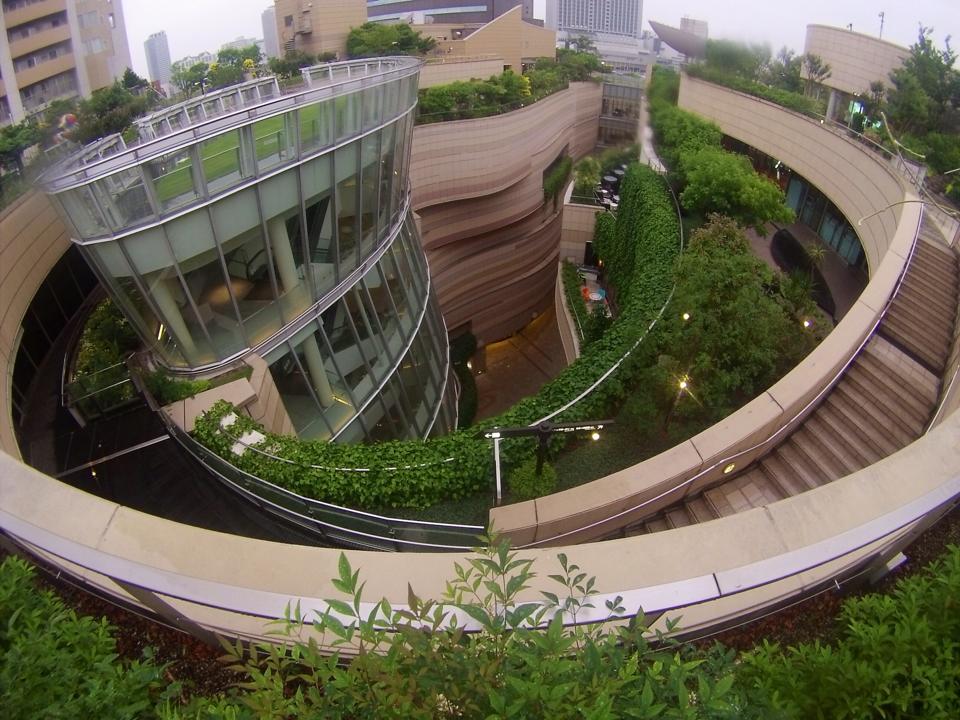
(859, 183)
(491, 240)
(711, 573)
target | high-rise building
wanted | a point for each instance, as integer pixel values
(158, 57)
(695, 27)
(271, 41)
(444, 11)
(622, 18)
(58, 49)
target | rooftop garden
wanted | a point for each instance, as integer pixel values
(509, 91)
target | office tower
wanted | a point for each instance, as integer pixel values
(158, 57)
(621, 18)
(271, 41)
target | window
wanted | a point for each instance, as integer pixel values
(288, 21)
(111, 20)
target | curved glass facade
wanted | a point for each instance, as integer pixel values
(249, 220)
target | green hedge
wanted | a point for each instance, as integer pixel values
(790, 100)
(645, 235)
(555, 180)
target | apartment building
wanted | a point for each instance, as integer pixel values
(52, 49)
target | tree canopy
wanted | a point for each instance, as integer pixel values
(377, 39)
(109, 110)
(14, 139)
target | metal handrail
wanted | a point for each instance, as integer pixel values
(775, 435)
(63, 175)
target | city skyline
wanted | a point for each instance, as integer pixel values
(201, 25)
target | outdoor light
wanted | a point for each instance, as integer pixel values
(806, 323)
(595, 435)
(729, 468)
(683, 384)
(686, 316)
(469, 364)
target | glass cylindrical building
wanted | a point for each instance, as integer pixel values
(251, 221)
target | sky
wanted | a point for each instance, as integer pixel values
(193, 26)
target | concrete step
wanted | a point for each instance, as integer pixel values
(700, 510)
(905, 379)
(677, 517)
(903, 367)
(930, 349)
(894, 410)
(805, 469)
(936, 301)
(857, 402)
(869, 447)
(718, 502)
(845, 444)
(912, 309)
(830, 467)
(656, 524)
(932, 269)
(782, 475)
(757, 487)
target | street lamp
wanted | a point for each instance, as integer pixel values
(542, 431)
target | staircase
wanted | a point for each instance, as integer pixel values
(881, 404)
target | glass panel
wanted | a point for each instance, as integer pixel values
(213, 293)
(346, 352)
(173, 179)
(220, 157)
(415, 386)
(317, 189)
(271, 141)
(369, 185)
(345, 163)
(293, 383)
(316, 128)
(382, 425)
(391, 279)
(391, 102)
(372, 107)
(347, 112)
(123, 198)
(82, 210)
(387, 140)
(400, 169)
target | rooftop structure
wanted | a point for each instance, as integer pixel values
(421, 12)
(57, 49)
(684, 41)
(317, 28)
(245, 222)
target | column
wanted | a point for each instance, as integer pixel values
(289, 279)
(162, 295)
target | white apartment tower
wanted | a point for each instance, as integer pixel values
(271, 41)
(158, 58)
(621, 18)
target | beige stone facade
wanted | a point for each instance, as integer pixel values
(855, 59)
(58, 49)
(318, 27)
(508, 37)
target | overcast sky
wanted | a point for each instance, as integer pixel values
(196, 25)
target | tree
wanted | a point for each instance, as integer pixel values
(291, 63)
(925, 97)
(735, 58)
(190, 80)
(784, 71)
(14, 140)
(729, 337)
(584, 44)
(109, 110)
(816, 71)
(723, 182)
(377, 39)
(132, 81)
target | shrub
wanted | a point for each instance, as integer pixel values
(56, 664)
(555, 179)
(525, 484)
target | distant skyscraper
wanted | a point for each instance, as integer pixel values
(158, 57)
(271, 41)
(605, 17)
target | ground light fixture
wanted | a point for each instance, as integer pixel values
(542, 431)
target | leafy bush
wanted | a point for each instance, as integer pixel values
(572, 290)
(56, 664)
(790, 100)
(525, 484)
(898, 655)
(167, 389)
(106, 341)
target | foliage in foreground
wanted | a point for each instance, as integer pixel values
(56, 664)
(897, 655)
(418, 474)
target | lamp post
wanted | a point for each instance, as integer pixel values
(542, 431)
